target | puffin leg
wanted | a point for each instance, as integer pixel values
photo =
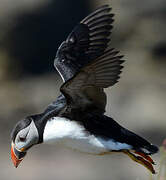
(140, 160)
(148, 158)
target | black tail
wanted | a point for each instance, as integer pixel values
(123, 135)
(141, 145)
(150, 149)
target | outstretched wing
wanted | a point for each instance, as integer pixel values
(87, 41)
(86, 87)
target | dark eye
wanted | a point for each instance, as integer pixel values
(22, 139)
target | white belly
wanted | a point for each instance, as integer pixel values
(73, 135)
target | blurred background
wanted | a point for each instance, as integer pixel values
(30, 33)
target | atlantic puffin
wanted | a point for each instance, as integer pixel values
(76, 119)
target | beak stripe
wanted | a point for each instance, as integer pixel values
(17, 156)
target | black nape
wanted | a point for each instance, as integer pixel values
(19, 126)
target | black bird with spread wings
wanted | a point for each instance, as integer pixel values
(76, 119)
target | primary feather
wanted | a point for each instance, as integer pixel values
(87, 41)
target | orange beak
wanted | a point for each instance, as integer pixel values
(17, 156)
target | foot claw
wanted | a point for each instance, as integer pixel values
(147, 162)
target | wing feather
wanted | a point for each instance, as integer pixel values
(87, 41)
(103, 72)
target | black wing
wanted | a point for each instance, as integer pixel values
(86, 87)
(108, 128)
(87, 41)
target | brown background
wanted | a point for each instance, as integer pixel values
(30, 32)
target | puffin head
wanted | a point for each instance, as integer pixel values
(24, 136)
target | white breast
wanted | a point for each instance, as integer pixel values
(73, 135)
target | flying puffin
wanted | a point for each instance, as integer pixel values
(76, 119)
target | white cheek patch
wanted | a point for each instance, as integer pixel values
(23, 133)
(33, 135)
(30, 134)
